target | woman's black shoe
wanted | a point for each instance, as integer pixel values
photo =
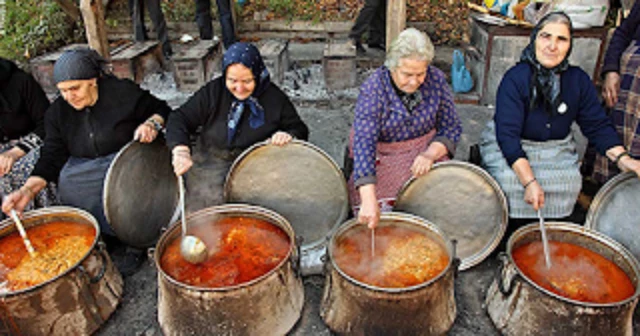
(376, 46)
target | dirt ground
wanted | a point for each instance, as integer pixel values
(329, 116)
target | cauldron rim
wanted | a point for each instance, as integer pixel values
(7, 227)
(579, 230)
(411, 219)
(228, 210)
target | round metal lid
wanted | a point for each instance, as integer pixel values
(465, 202)
(298, 180)
(140, 193)
(614, 211)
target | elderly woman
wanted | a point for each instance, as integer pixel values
(405, 120)
(22, 107)
(96, 116)
(528, 147)
(233, 112)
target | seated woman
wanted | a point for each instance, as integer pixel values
(405, 120)
(231, 112)
(95, 117)
(528, 147)
(621, 73)
(22, 107)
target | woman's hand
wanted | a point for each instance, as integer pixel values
(627, 163)
(280, 138)
(145, 133)
(19, 199)
(610, 88)
(181, 159)
(369, 213)
(534, 195)
(421, 165)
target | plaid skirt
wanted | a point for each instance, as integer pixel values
(554, 164)
(20, 173)
(625, 115)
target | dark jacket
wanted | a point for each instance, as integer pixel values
(629, 30)
(22, 105)
(98, 130)
(209, 107)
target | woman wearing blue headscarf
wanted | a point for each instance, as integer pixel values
(233, 111)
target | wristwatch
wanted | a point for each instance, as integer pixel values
(156, 125)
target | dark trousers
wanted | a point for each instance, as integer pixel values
(203, 19)
(373, 16)
(155, 13)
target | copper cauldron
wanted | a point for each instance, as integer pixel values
(75, 302)
(267, 305)
(519, 306)
(352, 307)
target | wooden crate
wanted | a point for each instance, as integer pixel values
(276, 57)
(339, 64)
(136, 60)
(195, 64)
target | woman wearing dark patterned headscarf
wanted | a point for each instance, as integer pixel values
(234, 112)
(529, 147)
(22, 107)
(96, 115)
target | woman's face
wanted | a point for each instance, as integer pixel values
(552, 44)
(409, 74)
(79, 93)
(240, 81)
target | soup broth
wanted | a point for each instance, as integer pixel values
(403, 257)
(576, 273)
(58, 246)
(242, 249)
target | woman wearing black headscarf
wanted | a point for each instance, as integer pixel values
(96, 115)
(22, 107)
(528, 147)
(234, 112)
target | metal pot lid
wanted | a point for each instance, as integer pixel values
(614, 211)
(140, 193)
(298, 180)
(465, 202)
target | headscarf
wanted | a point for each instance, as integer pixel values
(545, 83)
(248, 55)
(78, 64)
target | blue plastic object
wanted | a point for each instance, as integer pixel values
(460, 76)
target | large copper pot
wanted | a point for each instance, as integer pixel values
(76, 302)
(519, 306)
(350, 307)
(268, 305)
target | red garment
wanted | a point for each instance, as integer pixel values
(393, 169)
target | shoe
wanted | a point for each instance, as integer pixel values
(376, 46)
(360, 50)
(129, 261)
(167, 51)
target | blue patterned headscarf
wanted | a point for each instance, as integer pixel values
(248, 55)
(78, 64)
(545, 83)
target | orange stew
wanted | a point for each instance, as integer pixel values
(241, 249)
(403, 257)
(58, 245)
(576, 273)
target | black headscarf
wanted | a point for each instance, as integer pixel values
(79, 64)
(248, 55)
(545, 83)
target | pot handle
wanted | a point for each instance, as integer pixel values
(500, 279)
(456, 261)
(101, 252)
(295, 263)
(150, 254)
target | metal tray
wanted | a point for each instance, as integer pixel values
(140, 193)
(300, 182)
(465, 202)
(615, 211)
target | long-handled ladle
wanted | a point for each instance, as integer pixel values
(192, 248)
(545, 241)
(23, 233)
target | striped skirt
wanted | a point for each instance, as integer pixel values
(554, 164)
(625, 114)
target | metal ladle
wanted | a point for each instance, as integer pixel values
(545, 241)
(23, 233)
(192, 248)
